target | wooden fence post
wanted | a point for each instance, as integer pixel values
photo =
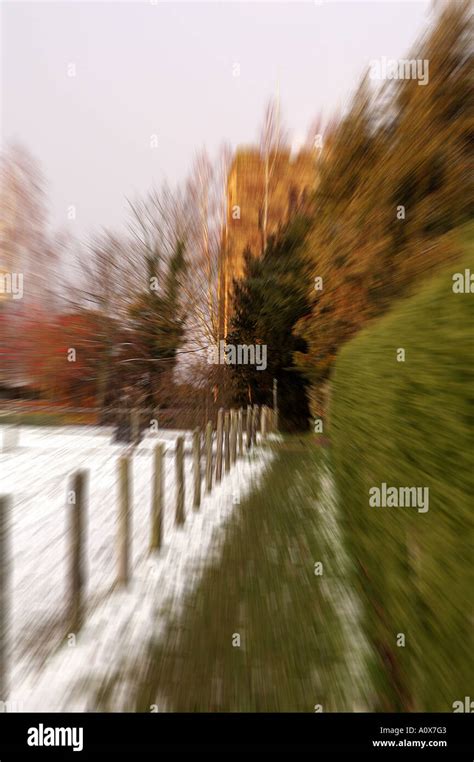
(249, 427)
(255, 425)
(220, 431)
(77, 534)
(275, 404)
(5, 504)
(157, 499)
(135, 425)
(240, 436)
(179, 516)
(124, 521)
(209, 456)
(233, 436)
(197, 468)
(11, 438)
(226, 442)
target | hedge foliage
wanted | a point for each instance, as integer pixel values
(411, 424)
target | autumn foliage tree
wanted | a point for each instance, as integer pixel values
(391, 194)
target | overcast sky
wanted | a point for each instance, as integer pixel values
(168, 68)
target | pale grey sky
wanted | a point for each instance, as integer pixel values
(166, 68)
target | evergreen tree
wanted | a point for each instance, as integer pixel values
(268, 301)
(158, 324)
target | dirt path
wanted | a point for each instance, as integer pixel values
(269, 628)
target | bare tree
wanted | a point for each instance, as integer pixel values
(207, 198)
(159, 234)
(26, 246)
(27, 252)
(105, 291)
(272, 140)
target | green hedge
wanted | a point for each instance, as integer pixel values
(411, 424)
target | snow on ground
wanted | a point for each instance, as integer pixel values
(353, 683)
(47, 673)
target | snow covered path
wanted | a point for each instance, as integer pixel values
(48, 671)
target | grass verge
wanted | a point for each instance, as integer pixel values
(297, 632)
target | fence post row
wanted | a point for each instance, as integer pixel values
(77, 536)
(229, 433)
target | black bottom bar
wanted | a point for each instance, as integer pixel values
(89, 736)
